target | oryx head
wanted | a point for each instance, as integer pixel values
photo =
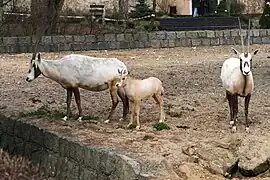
(245, 57)
(33, 71)
(122, 77)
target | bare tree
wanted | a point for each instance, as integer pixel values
(123, 8)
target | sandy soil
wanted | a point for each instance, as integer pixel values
(194, 98)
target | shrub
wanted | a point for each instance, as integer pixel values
(265, 18)
(228, 7)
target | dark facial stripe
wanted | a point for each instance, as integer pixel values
(246, 64)
(36, 70)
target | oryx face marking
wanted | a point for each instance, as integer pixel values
(245, 63)
(33, 71)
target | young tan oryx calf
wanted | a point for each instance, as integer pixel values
(136, 90)
(237, 80)
(79, 71)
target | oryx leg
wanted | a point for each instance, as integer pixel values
(235, 110)
(115, 101)
(121, 93)
(230, 101)
(247, 99)
(131, 113)
(78, 102)
(69, 96)
(137, 106)
(159, 100)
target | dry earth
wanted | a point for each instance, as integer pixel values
(199, 144)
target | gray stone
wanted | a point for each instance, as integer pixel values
(20, 130)
(268, 32)
(210, 34)
(266, 40)
(3, 49)
(255, 32)
(147, 44)
(196, 42)
(124, 45)
(102, 46)
(11, 144)
(36, 135)
(161, 35)
(139, 44)
(155, 43)
(234, 33)
(120, 37)
(63, 147)
(180, 34)
(100, 38)
(79, 39)
(72, 170)
(171, 35)
(141, 36)
(58, 39)
(129, 37)
(152, 36)
(86, 174)
(24, 40)
(77, 46)
(90, 38)
(46, 40)
(109, 37)
(171, 43)
(92, 157)
(257, 40)
(227, 33)
(164, 43)
(201, 34)
(263, 32)
(19, 146)
(205, 41)
(114, 45)
(64, 47)
(191, 34)
(51, 141)
(219, 34)
(10, 40)
(68, 39)
(214, 42)
(4, 141)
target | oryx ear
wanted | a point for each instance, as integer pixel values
(235, 51)
(128, 72)
(124, 72)
(256, 51)
(39, 57)
(119, 71)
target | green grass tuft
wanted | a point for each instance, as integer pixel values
(132, 126)
(160, 126)
(44, 112)
(89, 118)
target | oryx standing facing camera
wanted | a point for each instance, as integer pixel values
(237, 80)
(79, 71)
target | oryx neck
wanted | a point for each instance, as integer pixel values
(50, 69)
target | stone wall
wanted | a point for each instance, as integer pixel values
(157, 39)
(62, 157)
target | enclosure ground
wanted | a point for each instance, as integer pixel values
(196, 111)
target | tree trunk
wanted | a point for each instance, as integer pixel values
(1, 11)
(54, 8)
(123, 9)
(154, 5)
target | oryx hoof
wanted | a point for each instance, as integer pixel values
(138, 127)
(121, 119)
(234, 129)
(247, 130)
(231, 122)
(107, 121)
(80, 119)
(161, 121)
(65, 118)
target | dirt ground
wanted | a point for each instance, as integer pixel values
(195, 108)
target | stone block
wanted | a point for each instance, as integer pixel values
(171, 42)
(255, 32)
(205, 41)
(164, 43)
(102, 46)
(90, 38)
(196, 42)
(170, 35)
(201, 34)
(10, 40)
(257, 40)
(24, 40)
(124, 45)
(58, 39)
(109, 37)
(114, 45)
(11, 144)
(192, 34)
(183, 42)
(214, 42)
(3, 49)
(210, 34)
(68, 39)
(54, 48)
(155, 43)
(219, 34)
(180, 34)
(161, 35)
(120, 37)
(266, 40)
(46, 40)
(152, 36)
(129, 37)
(234, 32)
(51, 141)
(64, 47)
(100, 38)
(20, 130)
(263, 32)
(268, 32)
(141, 36)
(79, 39)
(76, 46)
(227, 33)
(44, 48)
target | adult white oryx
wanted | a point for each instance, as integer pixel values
(237, 80)
(79, 71)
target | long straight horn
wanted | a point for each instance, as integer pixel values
(248, 34)
(240, 30)
(35, 48)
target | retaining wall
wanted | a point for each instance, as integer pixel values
(157, 39)
(65, 158)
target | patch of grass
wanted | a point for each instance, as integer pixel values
(132, 126)
(160, 126)
(45, 112)
(89, 118)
